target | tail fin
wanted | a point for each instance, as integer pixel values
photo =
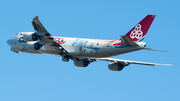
(138, 32)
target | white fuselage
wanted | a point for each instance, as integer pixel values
(78, 47)
(93, 48)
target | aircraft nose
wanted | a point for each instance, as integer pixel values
(8, 42)
(11, 43)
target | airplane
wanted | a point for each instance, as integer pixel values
(84, 51)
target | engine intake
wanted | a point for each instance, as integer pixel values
(81, 63)
(115, 66)
(31, 36)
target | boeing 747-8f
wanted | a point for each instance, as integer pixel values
(83, 51)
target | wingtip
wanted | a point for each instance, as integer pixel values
(36, 17)
(165, 64)
(154, 49)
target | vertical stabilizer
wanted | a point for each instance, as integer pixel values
(138, 32)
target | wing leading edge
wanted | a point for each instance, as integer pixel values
(127, 62)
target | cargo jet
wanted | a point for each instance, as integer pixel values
(84, 51)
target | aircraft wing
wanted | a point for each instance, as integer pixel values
(45, 36)
(41, 31)
(126, 62)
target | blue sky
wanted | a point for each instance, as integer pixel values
(30, 77)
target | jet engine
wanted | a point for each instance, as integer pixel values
(115, 66)
(33, 46)
(30, 36)
(81, 63)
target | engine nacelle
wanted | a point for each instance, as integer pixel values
(81, 63)
(33, 46)
(115, 66)
(30, 36)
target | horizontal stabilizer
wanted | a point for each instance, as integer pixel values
(127, 42)
(155, 50)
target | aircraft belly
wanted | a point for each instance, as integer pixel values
(118, 51)
(50, 52)
(107, 52)
(72, 50)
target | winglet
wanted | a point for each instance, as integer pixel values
(127, 42)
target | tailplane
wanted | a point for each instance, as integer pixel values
(137, 33)
(127, 42)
